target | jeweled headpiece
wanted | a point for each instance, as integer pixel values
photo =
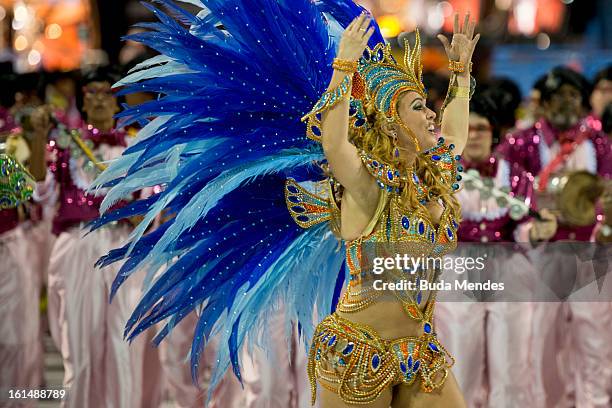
(380, 80)
(383, 79)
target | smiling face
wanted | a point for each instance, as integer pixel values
(418, 118)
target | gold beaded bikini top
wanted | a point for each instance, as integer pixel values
(311, 203)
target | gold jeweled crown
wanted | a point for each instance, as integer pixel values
(380, 79)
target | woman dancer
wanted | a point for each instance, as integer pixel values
(235, 85)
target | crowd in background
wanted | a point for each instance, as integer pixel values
(62, 125)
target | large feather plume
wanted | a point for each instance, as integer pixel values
(233, 82)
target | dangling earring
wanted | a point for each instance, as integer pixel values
(396, 151)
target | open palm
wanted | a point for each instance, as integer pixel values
(461, 46)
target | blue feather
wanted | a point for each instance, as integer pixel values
(226, 134)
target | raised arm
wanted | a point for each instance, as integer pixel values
(342, 155)
(455, 118)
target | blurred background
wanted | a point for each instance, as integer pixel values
(46, 46)
(522, 39)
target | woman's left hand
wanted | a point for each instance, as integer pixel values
(463, 42)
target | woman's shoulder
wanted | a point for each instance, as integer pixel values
(313, 202)
(386, 175)
(441, 157)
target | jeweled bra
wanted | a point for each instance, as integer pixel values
(315, 203)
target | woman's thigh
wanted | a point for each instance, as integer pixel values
(329, 399)
(449, 395)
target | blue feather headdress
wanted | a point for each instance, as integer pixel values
(233, 82)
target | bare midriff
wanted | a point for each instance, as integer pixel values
(387, 316)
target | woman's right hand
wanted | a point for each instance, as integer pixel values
(355, 38)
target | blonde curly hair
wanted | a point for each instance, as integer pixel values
(378, 143)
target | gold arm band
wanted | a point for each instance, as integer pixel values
(345, 65)
(456, 91)
(458, 66)
(463, 92)
(329, 99)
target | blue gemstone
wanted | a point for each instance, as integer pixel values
(460, 168)
(316, 130)
(459, 178)
(457, 157)
(348, 349)
(433, 347)
(293, 199)
(374, 163)
(419, 297)
(427, 328)
(440, 140)
(341, 362)
(416, 366)
(360, 122)
(403, 367)
(432, 237)
(405, 222)
(390, 175)
(375, 362)
(415, 178)
(451, 146)
(380, 55)
(449, 233)
(410, 362)
(298, 209)
(352, 110)
(435, 157)
(292, 189)
(302, 218)
(455, 225)
(455, 186)
(331, 341)
(421, 228)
